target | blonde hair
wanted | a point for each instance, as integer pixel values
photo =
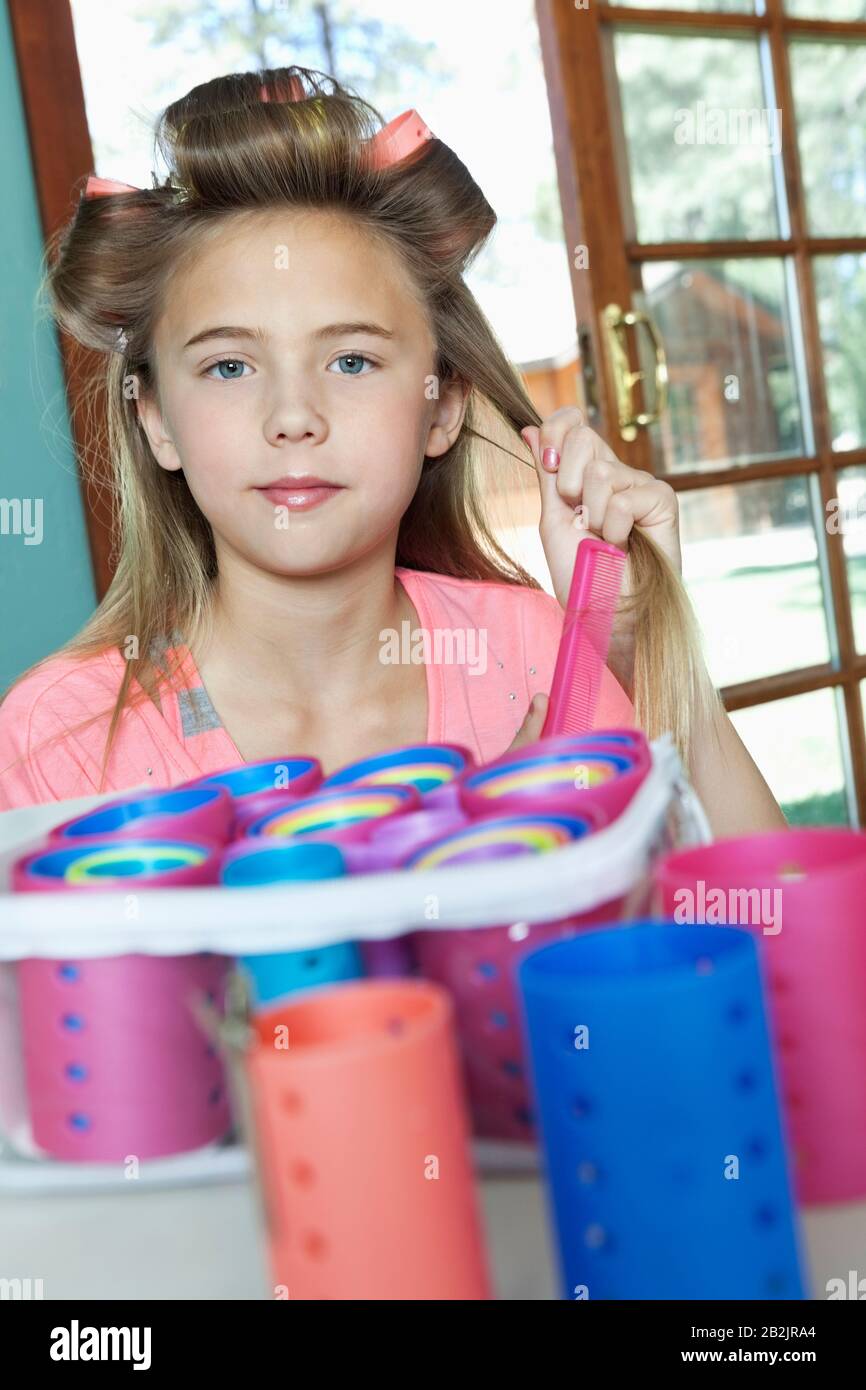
(228, 152)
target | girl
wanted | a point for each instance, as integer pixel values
(295, 375)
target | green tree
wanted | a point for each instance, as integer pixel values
(381, 61)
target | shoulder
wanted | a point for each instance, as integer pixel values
(489, 599)
(38, 715)
(60, 684)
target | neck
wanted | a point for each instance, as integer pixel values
(294, 638)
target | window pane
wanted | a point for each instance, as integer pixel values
(737, 386)
(700, 141)
(796, 744)
(830, 108)
(820, 9)
(840, 289)
(750, 564)
(848, 516)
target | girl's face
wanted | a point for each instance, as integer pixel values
(317, 359)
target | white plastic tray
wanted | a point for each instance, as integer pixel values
(612, 863)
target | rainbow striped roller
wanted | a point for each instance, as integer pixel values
(586, 632)
(256, 788)
(114, 1060)
(431, 767)
(578, 774)
(100, 861)
(200, 812)
(478, 967)
(501, 837)
(342, 815)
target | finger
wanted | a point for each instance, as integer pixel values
(599, 485)
(584, 450)
(533, 722)
(631, 506)
(581, 448)
(553, 433)
(618, 519)
(546, 476)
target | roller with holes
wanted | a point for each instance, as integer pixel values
(362, 1142)
(341, 815)
(801, 894)
(432, 768)
(571, 775)
(256, 788)
(202, 813)
(115, 1062)
(259, 862)
(478, 966)
(664, 1146)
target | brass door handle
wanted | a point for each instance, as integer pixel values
(615, 321)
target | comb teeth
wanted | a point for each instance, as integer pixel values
(583, 647)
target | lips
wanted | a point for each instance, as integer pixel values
(301, 482)
(299, 494)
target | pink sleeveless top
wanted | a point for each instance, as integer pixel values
(488, 647)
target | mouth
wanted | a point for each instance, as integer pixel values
(299, 494)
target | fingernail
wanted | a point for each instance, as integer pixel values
(550, 459)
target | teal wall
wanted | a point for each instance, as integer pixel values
(46, 588)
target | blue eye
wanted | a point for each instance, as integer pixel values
(227, 362)
(353, 357)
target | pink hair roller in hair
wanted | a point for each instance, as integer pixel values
(803, 892)
(399, 138)
(114, 1060)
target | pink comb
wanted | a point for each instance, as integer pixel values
(585, 639)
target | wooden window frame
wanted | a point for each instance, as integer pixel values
(61, 156)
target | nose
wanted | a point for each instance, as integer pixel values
(292, 414)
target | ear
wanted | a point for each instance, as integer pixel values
(154, 425)
(448, 414)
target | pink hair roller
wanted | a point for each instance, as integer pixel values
(393, 143)
(429, 767)
(399, 138)
(343, 815)
(256, 788)
(478, 965)
(807, 889)
(198, 812)
(559, 774)
(387, 848)
(114, 1060)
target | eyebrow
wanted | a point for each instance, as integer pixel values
(329, 330)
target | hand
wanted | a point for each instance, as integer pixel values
(533, 723)
(588, 491)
